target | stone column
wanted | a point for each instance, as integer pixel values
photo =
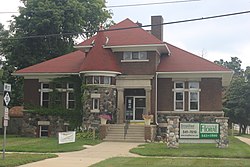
(148, 100)
(120, 106)
(223, 141)
(173, 131)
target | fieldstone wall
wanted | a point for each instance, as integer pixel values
(30, 127)
(172, 132)
(185, 117)
(223, 141)
(107, 105)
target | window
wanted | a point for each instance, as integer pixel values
(70, 96)
(192, 92)
(179, 96)
(193, 96)
(44, 95)
(95, 105)
(135, 56)
(106, 80)
(44, 130)
(58, 99)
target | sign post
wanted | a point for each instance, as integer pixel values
(6, 101)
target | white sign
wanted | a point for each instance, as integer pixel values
(6, 98)
(7, 87)
(66, 137)
(189, 130)
(6, 113)
(5, 122)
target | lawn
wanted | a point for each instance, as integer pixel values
(172, 162)
(236, 149)
(14, 159)
(43, 145)
(246, 135)
(188, 155)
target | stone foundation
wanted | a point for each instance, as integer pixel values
(223, 141)
(30, 127)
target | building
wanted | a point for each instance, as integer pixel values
(132, 72)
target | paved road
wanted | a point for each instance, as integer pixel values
(88, 156)
(244, 139)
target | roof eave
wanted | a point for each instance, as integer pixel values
(161, 48)
(225, 75)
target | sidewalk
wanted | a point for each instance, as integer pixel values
(244, 139)
(89, 156)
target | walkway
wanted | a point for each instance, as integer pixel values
(244, 139)
(89, 156)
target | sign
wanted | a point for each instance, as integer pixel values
(209, 131)
(189, 131)
(6, 113)
(5, 122)
(66, 137)
(6, 98)
(7, 87)
(199, 131)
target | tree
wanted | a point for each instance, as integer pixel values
(236, 104)
(234, 64)
(29, 39)
(46, 17)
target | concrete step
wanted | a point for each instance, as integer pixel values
(134, 133)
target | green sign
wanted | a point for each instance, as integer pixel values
(199, 131)
(209, 131)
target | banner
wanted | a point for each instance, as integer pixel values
(66, 137)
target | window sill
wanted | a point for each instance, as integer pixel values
(95, 111)
(133, 61)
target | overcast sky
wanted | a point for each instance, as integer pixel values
(213, 39)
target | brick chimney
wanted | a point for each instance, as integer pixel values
(157, 30)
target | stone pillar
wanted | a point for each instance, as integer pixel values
(103, 131)
(223, 141)
(173, 131)
(150, 133)
(120, 106)
(148, 101)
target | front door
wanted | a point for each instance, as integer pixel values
(134, 108)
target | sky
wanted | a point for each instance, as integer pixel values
(214, 39)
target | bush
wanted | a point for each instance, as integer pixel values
(86, 135)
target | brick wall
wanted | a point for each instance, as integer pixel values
(31, 93)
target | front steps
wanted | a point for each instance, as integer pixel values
(125, 133)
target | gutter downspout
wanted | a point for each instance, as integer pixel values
(156, 101)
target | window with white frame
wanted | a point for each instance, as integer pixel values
(179, 96)
(44, 95)
(98, 80)
(70, 97)
(193, 96)
(95, 104)
(135, 56)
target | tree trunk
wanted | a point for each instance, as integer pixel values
(240, 128)
(244, 128)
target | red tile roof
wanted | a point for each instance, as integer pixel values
(100, 59)
(183, 61)
(133, 36)
(69, 63)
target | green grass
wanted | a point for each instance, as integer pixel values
(246, 135)
(236, 149)
(172, 162)
(20, 159)
(43, 145)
